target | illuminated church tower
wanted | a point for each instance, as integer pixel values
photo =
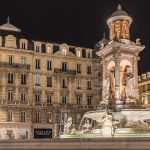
(120, 58)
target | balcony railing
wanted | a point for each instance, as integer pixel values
(14, 65)
(67, 71)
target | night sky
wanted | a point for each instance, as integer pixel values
(77, 22)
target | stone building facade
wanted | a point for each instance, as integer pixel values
(42, 82)
(144, 89)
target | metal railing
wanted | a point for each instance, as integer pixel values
(14, 65)
(67, 71)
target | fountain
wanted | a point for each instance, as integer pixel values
(119, 114)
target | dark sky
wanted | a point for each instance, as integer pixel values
(77, 22)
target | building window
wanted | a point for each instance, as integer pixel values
(78, 53)
(89, 70)
(64, 100)
(89, 101)
(10, 60)
(37, 117)
(9, 116)
(23, 60)
(78, 68)
(89, 85)
(88, 55)
(78, 100)
(23, 79)
(64, 83)
(49, 117)
(22, 116)
(10, 43)
(49, 65)
(49, 99)
(37, 80)
(23, 97)
(64, 66)
(10, 77)
(49, 81)
(37, 48)
(10, 96)
(64, 50)
(49, 49)
(37, 63)
(78, 84)
(23, 45)
(37, 98)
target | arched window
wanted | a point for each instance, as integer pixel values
(10, 41)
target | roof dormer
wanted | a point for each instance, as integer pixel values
(23, 44)
(10, 41)
(37, 46)
(64, 49)
(49, 48)
(78, 52)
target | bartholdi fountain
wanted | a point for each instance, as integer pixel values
(119, 113)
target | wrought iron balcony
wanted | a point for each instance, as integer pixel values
(14, 65)
(67, 71)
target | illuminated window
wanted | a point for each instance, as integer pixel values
(10, 43)
(64, 50)
(78, 53)
(49, 49)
